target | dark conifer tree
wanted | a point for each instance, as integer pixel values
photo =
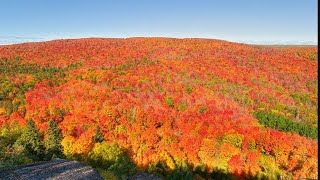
(98, 136)
(53, 138)
(31, 140)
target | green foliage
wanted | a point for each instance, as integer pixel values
(104, 155)
(111, 157)
(281, 123)
(12, 96)
(15, 66)
(27, 86)
(98, 137)
(53, 138)
(123, 168)
(107, 175)
(214, 80)
(10, 135)
(216, 87)
(313, 56)
(178, 175)
(92, 78)
(182, 171)
(202, 109)
(169, 101)
(156, 169)
(234, 139)
(59, 112)
(7, 106)
(11, 156)
(181, 107)
(303, 98)
(313, 85)
(74, 66)
(251, 144)
(24, 145)
(79, 77)
(31, 141)
(6, 89)
(189, 89)
(148, 62)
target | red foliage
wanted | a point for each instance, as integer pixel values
(123, 86)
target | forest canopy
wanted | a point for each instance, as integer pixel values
(177, 108)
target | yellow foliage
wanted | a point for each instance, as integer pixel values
(168, 159)
(121, 129)
(207, 152)
(309, 169)
(234, 139)
(269, 165)
(67, 144)
(2, 111)
(228, 150)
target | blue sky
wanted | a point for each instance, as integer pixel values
(249, 21)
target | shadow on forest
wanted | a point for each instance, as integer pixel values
(182, 172)
(110, 160)
(200, 173)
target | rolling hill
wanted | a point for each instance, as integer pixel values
(189, 107)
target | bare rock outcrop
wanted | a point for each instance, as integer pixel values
(55, 169)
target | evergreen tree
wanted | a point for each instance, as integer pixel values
(98, 136)
(53, 138)
(30, 139)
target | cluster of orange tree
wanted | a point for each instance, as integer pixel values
(190, 107)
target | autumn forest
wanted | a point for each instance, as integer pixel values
(175, 108)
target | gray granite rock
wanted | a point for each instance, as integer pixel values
(52, 170)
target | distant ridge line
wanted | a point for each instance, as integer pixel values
(11, 40)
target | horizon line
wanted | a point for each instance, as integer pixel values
(12, 40)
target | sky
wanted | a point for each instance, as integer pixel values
(246, 21)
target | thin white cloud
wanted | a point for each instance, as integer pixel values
(280, 42)
(7, 40)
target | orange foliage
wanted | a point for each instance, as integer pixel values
(170, 100)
